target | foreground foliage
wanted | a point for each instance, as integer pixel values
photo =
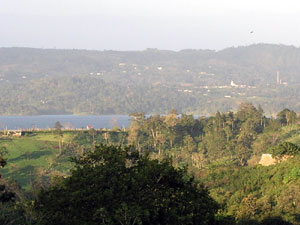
(112, 185)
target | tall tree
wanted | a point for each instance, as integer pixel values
(112, 185)
(59, 133)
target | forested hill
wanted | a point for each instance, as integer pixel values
(50, 81)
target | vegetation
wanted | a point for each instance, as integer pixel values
(176, 167)
(10, 213)
(38, 81)
(285, 149)
(116, 186)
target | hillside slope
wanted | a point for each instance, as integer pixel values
(49, 81)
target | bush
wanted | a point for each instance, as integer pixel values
(285, 148)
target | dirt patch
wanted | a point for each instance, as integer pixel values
(267, 160)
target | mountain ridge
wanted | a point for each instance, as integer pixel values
(192, 81)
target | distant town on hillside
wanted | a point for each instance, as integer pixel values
(51, 81)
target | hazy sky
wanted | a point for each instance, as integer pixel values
(141, 24)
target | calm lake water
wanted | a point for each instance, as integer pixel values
(68, 121)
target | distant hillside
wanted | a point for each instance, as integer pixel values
(50, 81)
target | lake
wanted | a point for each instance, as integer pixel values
(68, 121)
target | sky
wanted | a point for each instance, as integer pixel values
(141, 24)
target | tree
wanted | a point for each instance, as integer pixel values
(287, 117)
(5, 194)
(171, 121)
(93, 133)
(136, 134)
(3, 161)
(285, 148)
(247, 110)
(59, 133)
(154, 127)
(58, 126)
(10, 211)
(112, 185)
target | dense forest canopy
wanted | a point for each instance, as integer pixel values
(118, 186)
(50, 81)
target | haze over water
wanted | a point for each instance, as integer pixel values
(68, 121)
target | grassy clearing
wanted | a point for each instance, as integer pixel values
(39, 151)
(29, 153)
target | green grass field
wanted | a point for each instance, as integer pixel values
(38, 153)
(28, 154)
